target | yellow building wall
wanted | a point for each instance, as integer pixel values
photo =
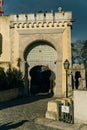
(66, 55)
(6, 45)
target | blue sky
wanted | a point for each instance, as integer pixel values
(78, 8)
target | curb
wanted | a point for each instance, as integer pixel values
(57, 124)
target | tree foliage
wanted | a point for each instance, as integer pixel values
(12, 78)
(76, 51)
(84, 53)
(3, 79)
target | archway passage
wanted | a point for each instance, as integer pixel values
(77, 76)
(40, 79)
(40, 54)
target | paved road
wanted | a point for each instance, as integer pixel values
(20, 114)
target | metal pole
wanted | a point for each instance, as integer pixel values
(66, 85)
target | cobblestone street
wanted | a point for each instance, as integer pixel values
(20, 114)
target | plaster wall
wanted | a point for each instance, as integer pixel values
(80, 106)
(6, 45)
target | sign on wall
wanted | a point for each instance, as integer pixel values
(65, 109)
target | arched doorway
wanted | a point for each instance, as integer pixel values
(40, 79)
(77, 76)
(40, 56)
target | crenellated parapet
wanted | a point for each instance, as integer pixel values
(40, 20)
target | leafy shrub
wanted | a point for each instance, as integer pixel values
(12, 78)
(3, 79)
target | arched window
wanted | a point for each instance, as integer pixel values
(0, 44)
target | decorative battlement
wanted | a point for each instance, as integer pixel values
(48, 19)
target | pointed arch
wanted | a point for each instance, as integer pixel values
(38, 44)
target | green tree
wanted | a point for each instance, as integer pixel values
(84, 56)
(76, 51)
(84, 53)
(3, 79)
(14, 78)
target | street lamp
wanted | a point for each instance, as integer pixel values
(66, 67)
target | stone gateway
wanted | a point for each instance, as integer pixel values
(41, 43)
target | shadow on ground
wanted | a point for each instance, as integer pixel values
(10, 125)
(24, 100)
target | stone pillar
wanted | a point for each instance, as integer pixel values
(29, 85)
(26, 86)
(58, 86)
(52, 110)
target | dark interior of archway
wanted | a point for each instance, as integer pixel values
(40, 79)
(77, 76)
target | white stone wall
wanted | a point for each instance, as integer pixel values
(49, 16)
(80, 106)
(42, 53)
